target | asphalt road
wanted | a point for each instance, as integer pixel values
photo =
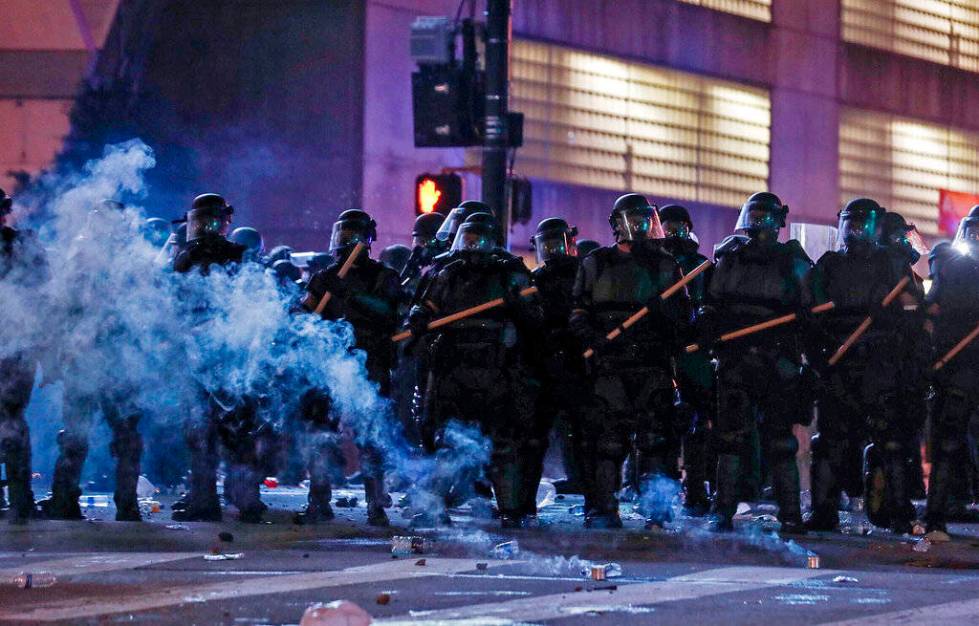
(110, 572)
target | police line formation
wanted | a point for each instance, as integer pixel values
(644, 355)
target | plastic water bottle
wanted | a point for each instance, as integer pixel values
(94, 501)
(27, 580)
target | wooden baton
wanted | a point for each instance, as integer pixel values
(463, 314)
(757, 328)
(341, 274)
(867, 321)
(959, 347)
(643, 312)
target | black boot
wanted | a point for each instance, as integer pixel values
(318, 507)
(127, 447)
(825, 495)
(376, 497)
(728, 491)
(785, 480)
(900, 509)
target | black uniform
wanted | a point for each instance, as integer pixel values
(954, 301)
(83, 401)
(758, 377)
(367, 298)
(695, 376)
(564, 387)
(632, 378)
(22, 262)
(202, 428)
(861, 399)
(479, 371)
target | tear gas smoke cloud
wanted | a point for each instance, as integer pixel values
(112, 323)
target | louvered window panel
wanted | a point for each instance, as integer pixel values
(603, 122)
(755, 9)
(942, 31)
(902, 163)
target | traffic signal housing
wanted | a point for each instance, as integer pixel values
(437, 193)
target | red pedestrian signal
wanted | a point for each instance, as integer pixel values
(437, 193)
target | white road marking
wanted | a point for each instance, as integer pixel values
(960, 612)
(97, 562)
(79, 608)
(541, 608)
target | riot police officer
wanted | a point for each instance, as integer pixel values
(758, 377)
(479, 373)
(632, 384)
(207, 248)
(695, 375)
(563, 393)
(367, 298)
(252, 240)
(23, 268)
(412, 367)
(953, 313)
(861, 394)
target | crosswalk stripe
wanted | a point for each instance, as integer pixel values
(79, 608)
(96, 562)
(688, 587)
(961, 612)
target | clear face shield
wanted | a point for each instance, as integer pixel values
(447, 231)
(859, 228)
(678, 229)
(474, 238)
(346, 235)
(206, 222)
(638, 225)
(551, 245)
(967, 237)
(757, 219)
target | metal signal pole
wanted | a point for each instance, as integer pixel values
(497, 95)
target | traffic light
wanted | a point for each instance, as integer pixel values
(437, 193)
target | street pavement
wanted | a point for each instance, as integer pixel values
(156, 572)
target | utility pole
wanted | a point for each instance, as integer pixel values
(496, 141)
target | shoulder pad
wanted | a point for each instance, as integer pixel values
(730, 244)
(793, 247)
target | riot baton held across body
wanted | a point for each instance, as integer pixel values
(867, 321)
(757, 328)
(341, 274)
(959, 347)
(463, 314)
(643, 312)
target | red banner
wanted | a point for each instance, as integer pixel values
(952, 207)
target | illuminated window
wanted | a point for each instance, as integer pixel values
(942, 31)
(599, 121)
(755, 9)
(903, 163)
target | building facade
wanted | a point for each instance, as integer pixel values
(297, 109)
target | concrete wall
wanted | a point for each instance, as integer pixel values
(260, 101)
(44, 54)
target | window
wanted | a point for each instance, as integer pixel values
(942, 31)
(599, 121)
(755, 9)
(903, 163)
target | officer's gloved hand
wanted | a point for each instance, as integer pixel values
(418, 320)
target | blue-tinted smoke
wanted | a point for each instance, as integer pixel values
(112, 324)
